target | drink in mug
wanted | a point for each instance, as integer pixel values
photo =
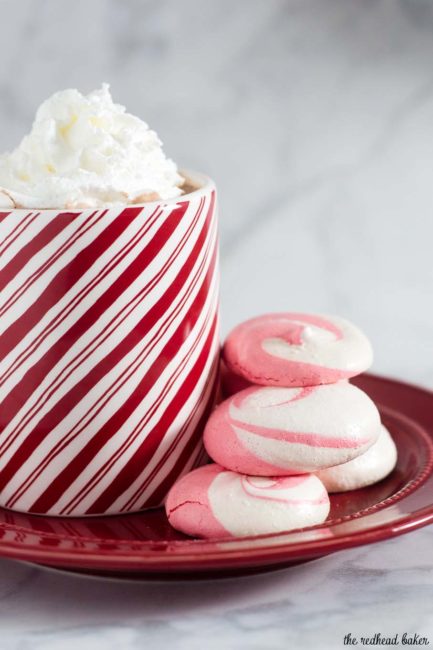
(108, 317)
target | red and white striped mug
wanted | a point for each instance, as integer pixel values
(108, 352)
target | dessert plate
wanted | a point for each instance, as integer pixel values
(145, 546)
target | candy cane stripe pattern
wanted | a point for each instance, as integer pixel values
(269, 431)
(214, 503)
(108, 352)
(367, 469)
(296, 350)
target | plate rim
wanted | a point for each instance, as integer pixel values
(169, 556)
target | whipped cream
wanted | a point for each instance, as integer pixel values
(86, 151)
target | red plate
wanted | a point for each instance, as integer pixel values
(144, 545)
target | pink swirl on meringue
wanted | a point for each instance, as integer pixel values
(292, 349)
(187, 505)
(213, 502)
(271, 489)
(371, 467)
(268, 431)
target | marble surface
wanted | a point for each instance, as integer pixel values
(315, 119)
(386, 588)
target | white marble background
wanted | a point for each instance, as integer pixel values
(315, 117)
(386, 588)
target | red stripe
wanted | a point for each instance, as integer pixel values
(158, 496)
(21, 226)
(212, 382)
(68, 401)
(144, 420)
(66, 439)
(3, 215)
(29, 250)
(206, 396)
(64, 280)
(147, 449)
(155, 437)
(82, 229)
(79, 297)
(184, 457)
(77, 465)
(138, 396)
(150, 251)
(31, 380)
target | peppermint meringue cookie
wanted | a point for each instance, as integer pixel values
(269, 431)
(291, 349)
(86, 151)
(214, 503)
(367, 469)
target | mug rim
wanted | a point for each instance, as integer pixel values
(204, 182)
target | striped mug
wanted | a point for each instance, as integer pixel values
(108, 352)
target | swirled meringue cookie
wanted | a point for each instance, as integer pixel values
(367, 469)
(213, 503)
(86, 151)
(268, 431)
(292, 349)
